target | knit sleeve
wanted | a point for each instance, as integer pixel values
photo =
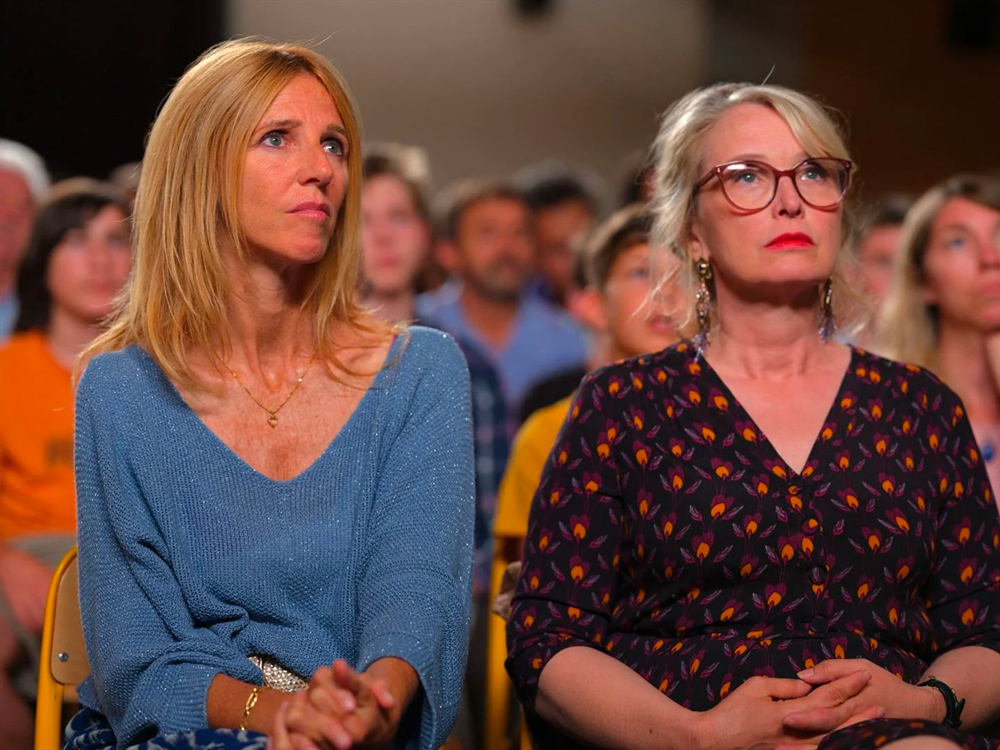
(151, 664)
(415, 590)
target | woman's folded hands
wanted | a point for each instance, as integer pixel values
(769, 712)
(343, 709)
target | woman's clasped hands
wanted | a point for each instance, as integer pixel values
(896, 698)
(768, 712)
(340, 709)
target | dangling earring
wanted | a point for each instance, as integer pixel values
(827, 324)
(703, 306)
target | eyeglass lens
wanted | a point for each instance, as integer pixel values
(821, 183)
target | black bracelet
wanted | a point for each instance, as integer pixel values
(953, 706)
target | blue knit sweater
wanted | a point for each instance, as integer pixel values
(190, 560)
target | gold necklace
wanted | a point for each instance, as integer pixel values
(272, 414)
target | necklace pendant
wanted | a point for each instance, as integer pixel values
(273, 421)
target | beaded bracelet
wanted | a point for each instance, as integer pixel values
(251, 702)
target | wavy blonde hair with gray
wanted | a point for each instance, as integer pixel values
(679, 163)
(907, 327)
(186, 210)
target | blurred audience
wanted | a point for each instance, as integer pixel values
(126, 178)
(638, 187)
(943, 310)
(877, 245)
(561, 385)
(492, 432)
(489, 243)
(77, 260)
(395, 238)
(563, 208)
(24, 183)
(511, 339)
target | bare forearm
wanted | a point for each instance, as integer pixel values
(227, 700)
(595, 698)
(973, 672)
(227, 697)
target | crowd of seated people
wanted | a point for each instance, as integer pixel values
(292, 409)
(76, 261)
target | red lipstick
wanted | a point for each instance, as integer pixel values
(789, 241)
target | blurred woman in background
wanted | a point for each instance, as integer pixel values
(943, 310)
(877, 245)
(395, 238)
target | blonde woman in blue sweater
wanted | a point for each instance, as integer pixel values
(275, 492)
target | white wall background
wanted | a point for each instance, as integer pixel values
(487, 92)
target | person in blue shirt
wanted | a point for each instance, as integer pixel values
(488, 240)
(274, 489)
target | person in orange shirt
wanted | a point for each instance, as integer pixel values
(78, 259)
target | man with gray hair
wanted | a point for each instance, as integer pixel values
(24, 184)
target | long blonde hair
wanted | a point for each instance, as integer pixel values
(187, 210)
(907, 328)
(677, 157)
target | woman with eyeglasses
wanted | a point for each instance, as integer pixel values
(760, 538)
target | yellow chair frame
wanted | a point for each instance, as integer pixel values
(64, 662)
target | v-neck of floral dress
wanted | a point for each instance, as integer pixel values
(667, 531)
(721, 394)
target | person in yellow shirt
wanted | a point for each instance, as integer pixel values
(614, 305)
(78, 259)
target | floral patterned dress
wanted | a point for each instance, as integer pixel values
(669, 532)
